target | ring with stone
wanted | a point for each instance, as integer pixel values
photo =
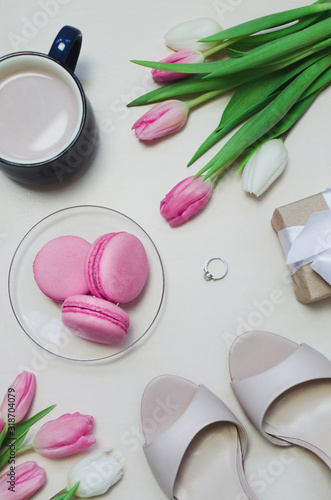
(209, 276)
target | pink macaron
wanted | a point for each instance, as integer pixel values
(59, 267)
(95, 319)
(117, 267)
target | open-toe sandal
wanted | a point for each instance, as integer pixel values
(193, 443)
(285, 390)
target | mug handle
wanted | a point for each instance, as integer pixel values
(66, 47)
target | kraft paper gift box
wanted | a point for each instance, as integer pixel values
(312, 250)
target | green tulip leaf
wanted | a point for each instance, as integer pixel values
(267, 22)
(11, 450)
(20, 428)
(60, 496)
(255, 40)
(72, 492)
(3, 434)
(234, 52)
(187, 86)
(205, 67)
(289, 120)
(67, 495)
(282, 50)
(197, 84)
(265, 120)
(276, 50)
(250, 98)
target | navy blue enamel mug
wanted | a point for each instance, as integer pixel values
(47, 125)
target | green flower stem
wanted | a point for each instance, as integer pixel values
(27, 424)
(3, 434)
(65, 494)
(60, 495)
(204, 97)
(221, 46)
(214, 179)
(254, 40)
(289, 120)
(72, 492)
(266, 119)
(24, 449)
(269, 53)
(276, 50)
(196, 84)
(267, 22)
(11, 447)
(301, 54)
(251, 97)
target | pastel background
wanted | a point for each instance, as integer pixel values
(198, 320)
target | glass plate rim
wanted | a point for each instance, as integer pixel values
(126, 349)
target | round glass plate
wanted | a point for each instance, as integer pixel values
(40, 317)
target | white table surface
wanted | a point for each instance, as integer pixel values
(192, 333)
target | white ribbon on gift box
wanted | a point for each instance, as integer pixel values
(310, 243)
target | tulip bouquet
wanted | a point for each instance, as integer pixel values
(64, 436)
(275, 75)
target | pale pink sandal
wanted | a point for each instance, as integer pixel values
(194, 444)
(285, 390)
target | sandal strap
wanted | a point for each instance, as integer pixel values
(257, 393)
(165, 453)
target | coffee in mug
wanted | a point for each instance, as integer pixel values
(47, 128)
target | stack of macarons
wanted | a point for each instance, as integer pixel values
(91, 280)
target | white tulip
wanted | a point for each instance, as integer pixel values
(187, 34)
(264, 166)
(97, 472)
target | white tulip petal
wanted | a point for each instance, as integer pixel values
(97, 472)
(186, 35)
(264, 166)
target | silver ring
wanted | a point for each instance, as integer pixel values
(208, 276)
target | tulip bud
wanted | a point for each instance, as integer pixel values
(186, 35)
(97, 473)
(186, 199)
(64, 436)
(18, 398)
(186, 56)
(264, 166)
(163, 119)
(22, 484)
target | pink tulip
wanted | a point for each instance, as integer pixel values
(185, 56)
(185, 200)
(163, 119)
(18, 398)
(64, 436)
(21, 481)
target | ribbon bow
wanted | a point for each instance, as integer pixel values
(310, 243)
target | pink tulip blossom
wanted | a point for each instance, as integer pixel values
(185, 200)
(186, 56)
(18, 398)
(64, 436)
(163, 119)
(21, 481)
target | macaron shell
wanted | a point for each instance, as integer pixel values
(59, 267)
(120, 267)
(92, 262)
(95, 319)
